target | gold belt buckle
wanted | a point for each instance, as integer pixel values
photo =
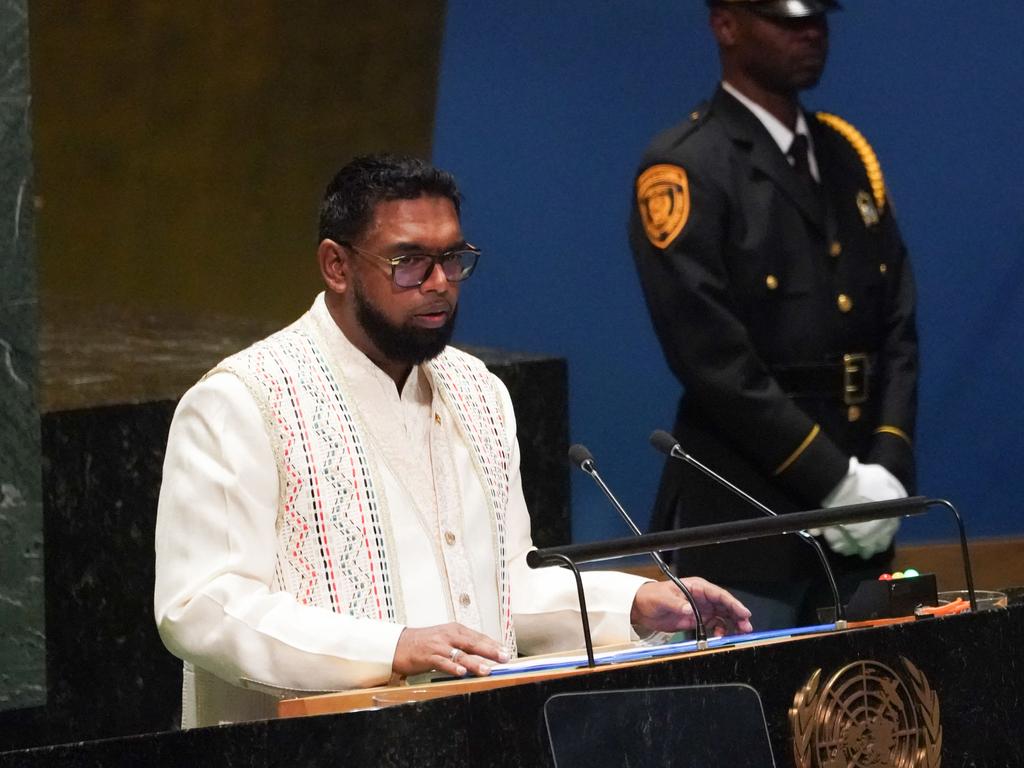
(855, 378)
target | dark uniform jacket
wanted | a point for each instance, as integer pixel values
(756, 299)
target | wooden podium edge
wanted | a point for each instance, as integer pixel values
(340, 702)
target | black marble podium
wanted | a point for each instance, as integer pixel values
(110, 383)
(972, 662)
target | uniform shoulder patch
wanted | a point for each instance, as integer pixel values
(867, 155)
(663, 198)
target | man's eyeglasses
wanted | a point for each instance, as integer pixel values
(411, 270)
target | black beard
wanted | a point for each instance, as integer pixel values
(402, 343)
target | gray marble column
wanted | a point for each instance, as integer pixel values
(22, 638)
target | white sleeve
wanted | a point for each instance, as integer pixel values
(216, 546)
(545, 606)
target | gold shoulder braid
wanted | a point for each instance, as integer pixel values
(867, 154)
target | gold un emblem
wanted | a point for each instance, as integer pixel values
(867, 716)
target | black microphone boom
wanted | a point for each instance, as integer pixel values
(667, 444)
(584, 460)
(735, 530)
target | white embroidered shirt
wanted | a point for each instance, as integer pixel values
(216, 547)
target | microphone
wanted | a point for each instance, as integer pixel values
(667, 444)
(583, 459)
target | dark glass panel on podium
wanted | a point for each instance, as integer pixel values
(684, 726)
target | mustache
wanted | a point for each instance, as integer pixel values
(436, 306)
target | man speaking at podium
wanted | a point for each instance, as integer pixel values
(782, 295)
(341, 501)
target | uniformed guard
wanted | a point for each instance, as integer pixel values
(782, 295)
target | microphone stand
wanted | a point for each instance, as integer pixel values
(668, 445)
(587, 639)
(583, 459)
(964, 554)
(718, 533)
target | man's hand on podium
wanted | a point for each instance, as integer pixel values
(451, 648)
(660, 606)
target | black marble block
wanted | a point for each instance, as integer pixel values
(108, 672)
(112, 383)
(539, 388)
(972, 663)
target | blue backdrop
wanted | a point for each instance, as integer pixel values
(543, 112)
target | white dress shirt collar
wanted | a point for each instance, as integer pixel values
(782, 135)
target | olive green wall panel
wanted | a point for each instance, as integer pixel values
(182, 148)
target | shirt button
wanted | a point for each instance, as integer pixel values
(844, 302)
(772, 282)
(835, 249)
(449, 538)
(464, 600)
(883, 268)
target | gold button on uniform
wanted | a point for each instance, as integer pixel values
(464, 600)
(449, 538)
(835, 249)
(853, 413)
(882, 268)
(694, 116)
(772, 282)
(844, 302)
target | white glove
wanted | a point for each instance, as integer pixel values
(863, 483)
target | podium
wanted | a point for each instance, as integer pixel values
(971, 662)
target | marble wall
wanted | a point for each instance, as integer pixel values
(22, 638)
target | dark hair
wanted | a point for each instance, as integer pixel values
(349, 199)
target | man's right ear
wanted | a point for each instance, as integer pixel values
(723, 26)
(333, 259)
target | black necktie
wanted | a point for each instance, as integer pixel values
(798, 154)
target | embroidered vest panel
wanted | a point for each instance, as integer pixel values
(334, 543)
(467, 389)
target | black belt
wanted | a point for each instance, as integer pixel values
(846, 379)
